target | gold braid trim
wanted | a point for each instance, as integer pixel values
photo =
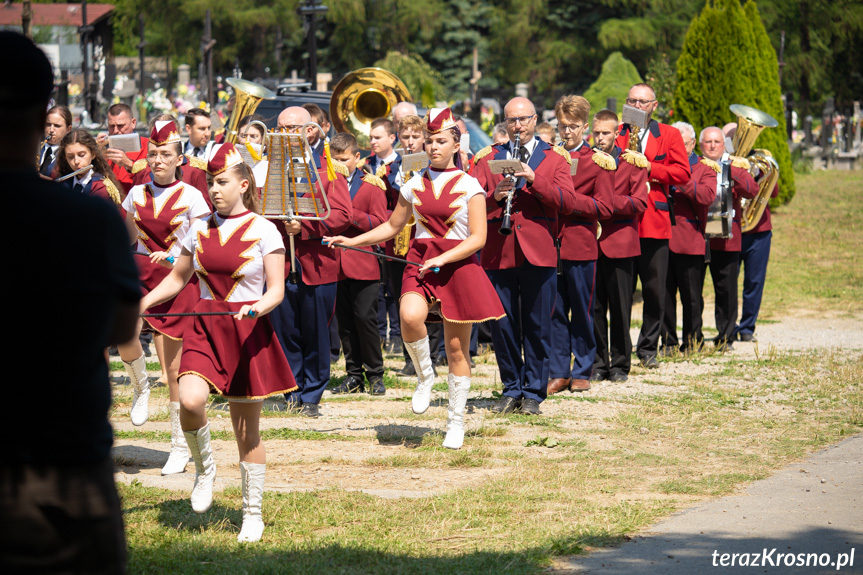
(197, 162)
(604, 161)
(361, 163)
(482, 153)
(739, 162)
(562, 151)
(635, 158)
(711, 164)
(113, 192)
(139, 166)
(375, 181)
(340, 168)
(382, 170)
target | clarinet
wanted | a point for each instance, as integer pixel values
(506, 224)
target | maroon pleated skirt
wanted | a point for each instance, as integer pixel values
(174, 327)
(239, 359)
(460, 293)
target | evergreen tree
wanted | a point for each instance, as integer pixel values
(617, 77)
(424, 83)
(727, 59)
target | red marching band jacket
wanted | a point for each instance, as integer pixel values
(369, 209)
(124, 176)
(743, 186)
(593, 183)
(691, 201)
(619, 237)
(668, 167)
(320, 263)
(534, 209)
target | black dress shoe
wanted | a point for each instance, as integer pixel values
(598, 376)
(396, 347)
(650, 362)
(747, 337)
(377, 386)
(408, 370)
(310, 410)
(530, 406)
(617, 377)
(506, 404)
(439, 361)
(472, 363)
(350, 384)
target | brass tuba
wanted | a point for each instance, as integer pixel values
(247, 97)
(750, 123)
(362, 97)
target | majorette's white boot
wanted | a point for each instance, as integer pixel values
(459, 386)
(137, 372)
(205, 468)
(179, 455)
(252, 478)
(421, 356)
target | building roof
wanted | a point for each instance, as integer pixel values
(54, 14)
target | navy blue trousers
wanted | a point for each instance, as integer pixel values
(572, 335)
(302, 324)
(522, 339)
(753, 258)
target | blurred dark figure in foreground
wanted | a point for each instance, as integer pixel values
(69, 265)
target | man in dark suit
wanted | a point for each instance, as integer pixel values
(522, 265)
(618, 249)
(669, 166)
(687, 250)
(573, 339)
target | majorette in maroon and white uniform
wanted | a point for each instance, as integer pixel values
(439, 199)
(240, 359)
(162, 216)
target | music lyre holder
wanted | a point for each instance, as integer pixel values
(634, 117)
(294, 189)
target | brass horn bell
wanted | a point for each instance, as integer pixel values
(247, 97)
(362, 97)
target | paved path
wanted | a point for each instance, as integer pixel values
(812, 507)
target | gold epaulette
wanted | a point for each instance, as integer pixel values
(139, 166)
(739, 162)
(375, 181)
(381, 171)
(604, 161)
(361, 163)
(562, 151)
(197, 162)
(340, 168)
(113, 192)
(482, 153)
(711, 164)
(635, 158)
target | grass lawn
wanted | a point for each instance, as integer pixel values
(591, 471)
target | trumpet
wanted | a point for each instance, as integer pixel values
(506, 223)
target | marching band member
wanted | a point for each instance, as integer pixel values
(303, 318)
(382, 137)
(687, 250)
(357, 291)
(159, 215)
(79, 149)
(57, 125)
(193, 168)
(120, 121)
(618, 249)
(573, 337)
(668, 166)
(198, 128)
(725, 253)
(237, 356)
(522, 265)
(449, 207)
(253, 137)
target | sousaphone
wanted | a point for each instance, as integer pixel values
(247, 98)
(363, 96)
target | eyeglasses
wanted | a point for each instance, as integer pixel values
(636, 101)
(523, 120)
(292, 129)
(569, 127)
